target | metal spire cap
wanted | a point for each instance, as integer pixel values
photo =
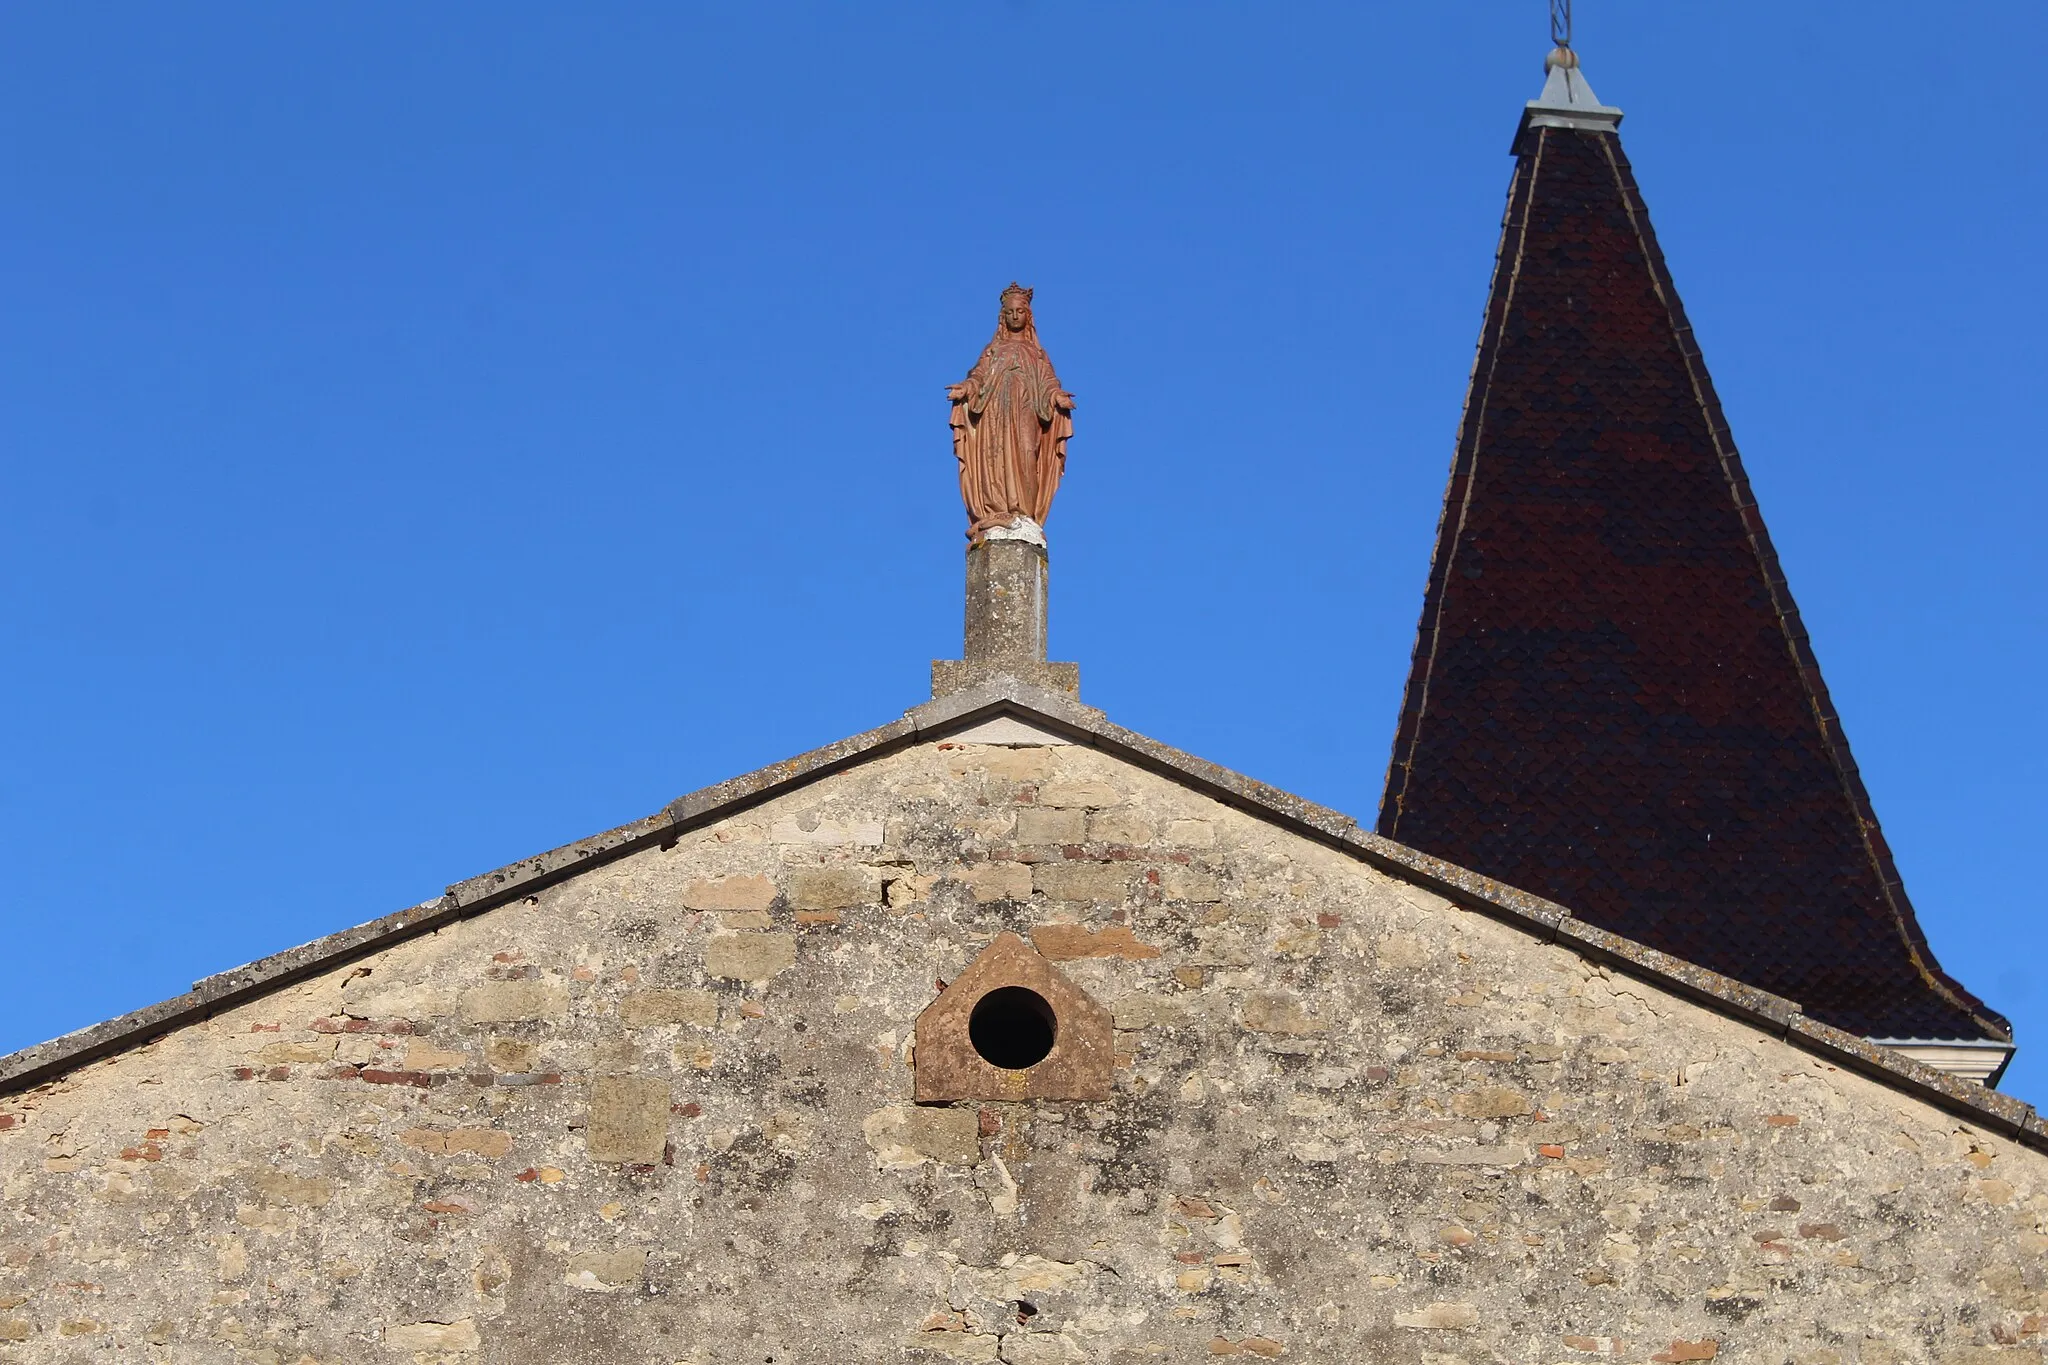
(1567, 100)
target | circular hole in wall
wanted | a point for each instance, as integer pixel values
(1012, 1027)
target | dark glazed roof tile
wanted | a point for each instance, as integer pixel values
(1613, 703)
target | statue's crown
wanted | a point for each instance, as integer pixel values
(1016, 288)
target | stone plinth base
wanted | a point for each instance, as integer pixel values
(950, 675)
(1006, 588)
(1006, 591)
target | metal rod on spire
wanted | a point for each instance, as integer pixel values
(1561, 24)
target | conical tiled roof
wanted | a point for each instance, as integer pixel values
(1613, 703)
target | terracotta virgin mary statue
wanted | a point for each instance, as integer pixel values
(1011, 421)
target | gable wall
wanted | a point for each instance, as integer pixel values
(660, 1112)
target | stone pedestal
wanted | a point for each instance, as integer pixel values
(1006, 592)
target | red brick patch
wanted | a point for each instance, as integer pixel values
(1067, 942)
(1595, 1346)
(1110, 853)
(418, 1078)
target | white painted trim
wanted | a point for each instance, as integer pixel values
(1005, 730)
(1972, 1059)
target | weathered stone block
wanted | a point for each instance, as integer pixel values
(421, 1055)
(652, 1009)
(999, 761)
(1039, 1348)
(1493, 1102)
(1041, 826)
(1077, 881)
(1440, 1317)
(906, 1136)
(901, 889)
(1404, 952)
(1079, 792)
(998, 881)
(378, 996)
(835, 888)
(284, 1188)
(849, 832)
(1273, 1012)
(1149, 1011)
(628, 1119)
(510, 1054)
(1186, 884)
(606, 1272)
(457, 1337)
(749, 957)
(1120, 827)
(954, 1345)
(755, 892)
(485, 1142)
(511, 1002)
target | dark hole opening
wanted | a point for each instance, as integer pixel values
(1012, 1027)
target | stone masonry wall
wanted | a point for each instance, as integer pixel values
(661, 1113)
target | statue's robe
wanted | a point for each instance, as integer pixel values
(1010, 430)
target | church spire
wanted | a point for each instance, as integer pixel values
(1613, 702)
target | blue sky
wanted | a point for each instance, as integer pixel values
(433, 434)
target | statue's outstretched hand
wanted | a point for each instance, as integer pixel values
(956, 392)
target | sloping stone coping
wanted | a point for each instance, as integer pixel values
(1542, 919)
